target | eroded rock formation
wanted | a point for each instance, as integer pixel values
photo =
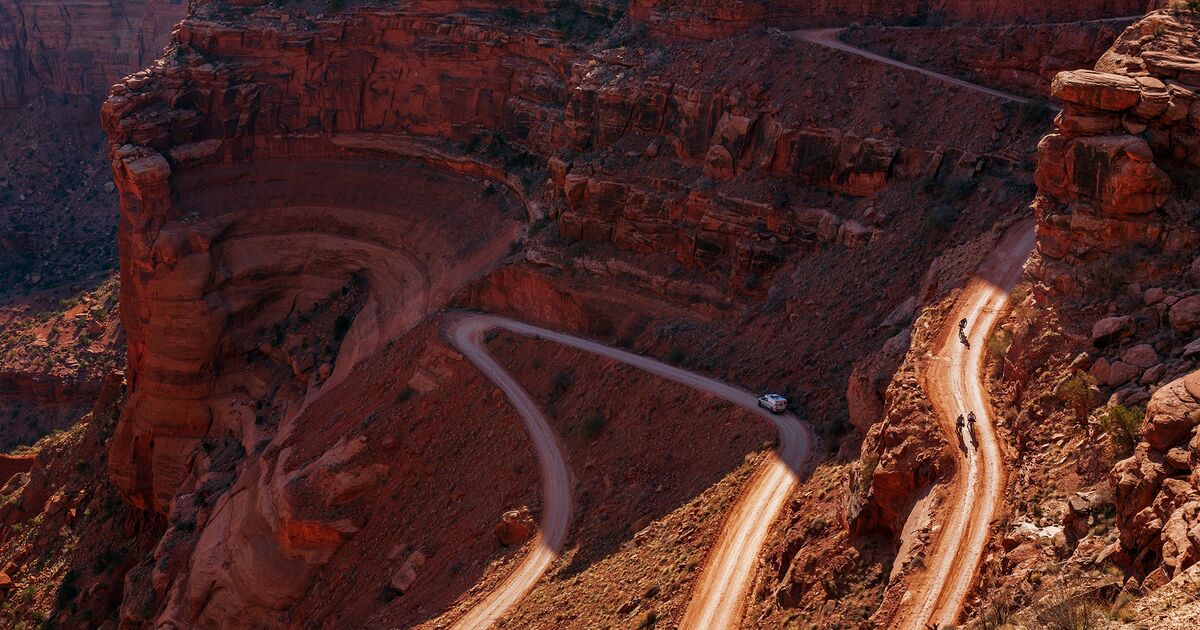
(1102, 175)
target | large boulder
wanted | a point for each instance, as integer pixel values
(1141, 355)
(1173, 413)
(1185, 314)
(1112, 329)
(1098, 90)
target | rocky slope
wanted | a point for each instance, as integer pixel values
(716, 18)
(1096, 362)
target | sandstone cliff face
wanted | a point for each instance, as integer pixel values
(1116, 236)
(1102, 175)
(716, 18)
(78, 48)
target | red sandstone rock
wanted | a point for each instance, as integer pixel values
(515, 527)
(1185, 314)
(1169, 416)
(1120, 373)
(1142, 356)
(1110, 329)
(1099, 90)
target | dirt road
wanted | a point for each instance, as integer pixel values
(466, 333)
(828, 37)
(718, 597)
(956, 386)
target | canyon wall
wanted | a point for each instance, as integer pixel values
(1116, 226)
(78, 48)
(719, 18)
(1102, 174)
(462, 93)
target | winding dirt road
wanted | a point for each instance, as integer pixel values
(828, 37)
(718, 597)
(956, 386)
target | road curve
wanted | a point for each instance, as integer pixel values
(956, 386)
(828, 37)
(718, 598)
(466, 334)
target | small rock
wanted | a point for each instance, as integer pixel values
(1179, 458)
(1111, 329)
(1121, 373)
(1141, 355)
(404, 578)
(515, 527)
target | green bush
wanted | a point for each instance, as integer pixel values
(1123, 426)
(1076, 392)
(593, 426)
(998, 345)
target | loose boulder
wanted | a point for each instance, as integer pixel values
(515, 527)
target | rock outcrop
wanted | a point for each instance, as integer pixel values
(1157, 490)
(1103, 173)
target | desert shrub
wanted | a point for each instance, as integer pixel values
(870, 462)
(404, 395)
(998, 345)
(1071, 614)
(676, 355)
(1123, 426)
(593, 426)
(1076, 392)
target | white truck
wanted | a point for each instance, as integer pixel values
(773, 403)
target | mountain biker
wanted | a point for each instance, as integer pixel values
(959, 423)
(971, 418)
(962, 324)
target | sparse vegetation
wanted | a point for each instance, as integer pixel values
(870, 462)
(998, 344)
(593, 426)
(1076, 393)
(1123, 426)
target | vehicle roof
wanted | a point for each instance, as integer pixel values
(774, 396)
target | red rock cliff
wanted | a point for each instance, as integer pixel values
(79, 48)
